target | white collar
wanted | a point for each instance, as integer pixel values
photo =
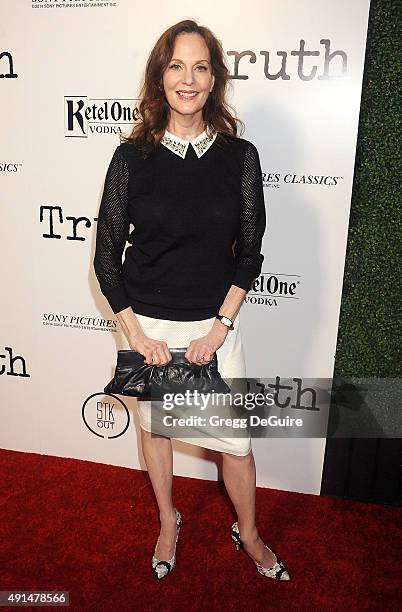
(180, 146)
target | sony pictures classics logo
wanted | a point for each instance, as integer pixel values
(274, 180)
(75, 4)
(10, 167)
(105, 415)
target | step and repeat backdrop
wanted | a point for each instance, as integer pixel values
(70, 77)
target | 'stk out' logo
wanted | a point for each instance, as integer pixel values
(6, 63)
(84, 116)
(105, 415)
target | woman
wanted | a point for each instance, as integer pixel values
(193, 191)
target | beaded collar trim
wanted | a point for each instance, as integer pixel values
(180, 146)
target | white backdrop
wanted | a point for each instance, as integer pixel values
(65, 62)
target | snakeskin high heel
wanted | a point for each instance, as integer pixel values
(278, 571)
(163, 568)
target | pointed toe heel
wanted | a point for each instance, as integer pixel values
(160, 567)
(278, 571)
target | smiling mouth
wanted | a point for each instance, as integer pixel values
(187, 95)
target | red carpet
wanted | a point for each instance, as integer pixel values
(91, 529)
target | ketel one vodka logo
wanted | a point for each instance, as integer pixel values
(84, 116)
(268, 288)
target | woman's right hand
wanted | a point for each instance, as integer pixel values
(156, 352)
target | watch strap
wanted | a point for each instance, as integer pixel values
(225, 320)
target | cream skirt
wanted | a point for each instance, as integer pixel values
(231, 364)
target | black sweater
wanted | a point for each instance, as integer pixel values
(199, 217)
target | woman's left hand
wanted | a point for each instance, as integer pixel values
(200, 351)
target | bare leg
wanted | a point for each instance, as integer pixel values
(240, 482)
(158, 457)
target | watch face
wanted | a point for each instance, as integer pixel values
(225, 320)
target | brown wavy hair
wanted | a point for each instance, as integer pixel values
(154, 109)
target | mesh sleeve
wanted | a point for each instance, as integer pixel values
(112, 233)
(247, 250)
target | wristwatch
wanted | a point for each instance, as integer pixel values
(225, 320)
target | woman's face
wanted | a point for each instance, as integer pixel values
(188, 79)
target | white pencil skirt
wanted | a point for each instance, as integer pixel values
(231, 365)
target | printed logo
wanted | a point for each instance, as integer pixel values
(10, 167)
(84, 116)
(333, 64)
(77, 321)
(268, 288)
(105, 415)
(7, 64)
(12, 365)
(71, 4)
(274, 180)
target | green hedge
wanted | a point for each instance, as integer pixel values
(369, 326)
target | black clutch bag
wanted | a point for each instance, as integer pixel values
(135, 378)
